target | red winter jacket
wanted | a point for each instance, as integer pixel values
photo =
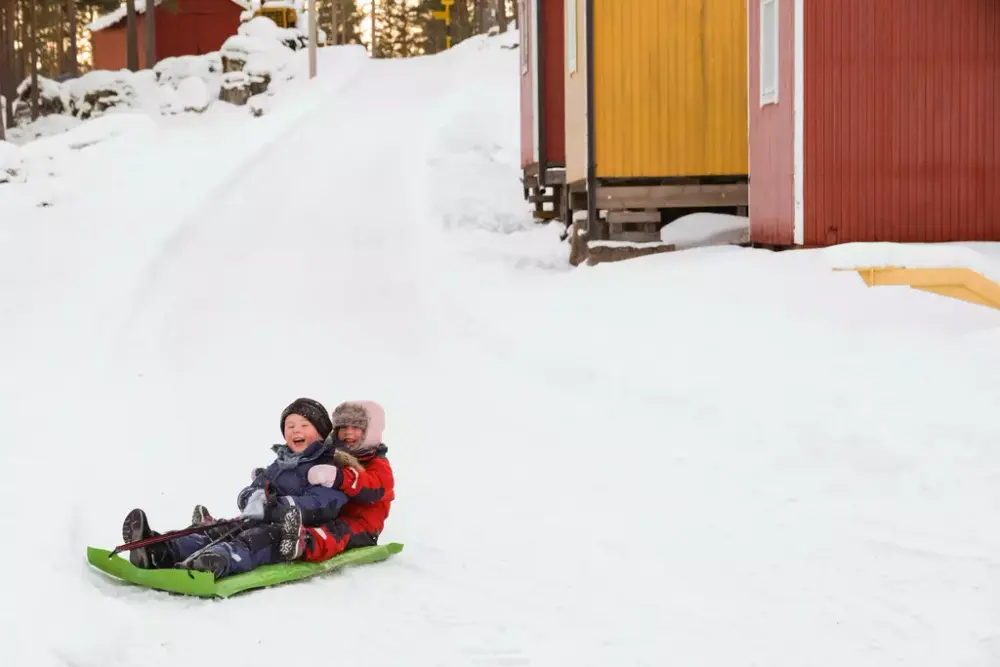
(370, 492)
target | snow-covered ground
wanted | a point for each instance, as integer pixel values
(719, 456)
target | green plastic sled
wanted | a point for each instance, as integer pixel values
(204, 584)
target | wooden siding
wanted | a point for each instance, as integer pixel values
(576, 101)
(197, 28)
(671, 88)
(200, 27)
(110, 46)
(527, 85)
(553, 32)
(902, 141)
(772, 158)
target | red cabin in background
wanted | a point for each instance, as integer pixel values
(201, 26)
(874, 120)
(543, 101)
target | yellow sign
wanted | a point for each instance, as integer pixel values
(445, 15)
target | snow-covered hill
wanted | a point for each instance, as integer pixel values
(719, 456)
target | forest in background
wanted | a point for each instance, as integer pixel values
(49, 38)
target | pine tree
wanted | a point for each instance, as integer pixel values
(349, 18)
(397, 23)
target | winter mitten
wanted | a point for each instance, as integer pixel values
(325, 475)
(347, 460)
(257, 472)
(256, 506)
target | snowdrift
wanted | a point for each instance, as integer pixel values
(755, 459)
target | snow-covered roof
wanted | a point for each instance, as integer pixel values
(118, 15)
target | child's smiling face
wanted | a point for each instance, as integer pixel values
(299, 433)
(350, 434)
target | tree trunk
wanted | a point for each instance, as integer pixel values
(21, 57)
(335, 22)
(150, 20)
(502, 14)
(8, 19)
(131, 36)
(33, 54)
(5, 77)
(373, 28)
(74, 67)
(484, 16)
(460, 21)
(59, 22)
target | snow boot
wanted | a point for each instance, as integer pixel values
(293, 535)
(210, 561)
(200, 515)
(155, 556)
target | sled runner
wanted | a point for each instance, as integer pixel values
(204, 584)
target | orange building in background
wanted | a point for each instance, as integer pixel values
(198, 27)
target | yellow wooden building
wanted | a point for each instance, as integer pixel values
(656, 110)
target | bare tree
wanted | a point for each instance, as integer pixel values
(74, 67)
(483, 15)
(150, 33)
(502, 14)
(33, 55)
(10, 6)
(335, 22)
(4, 78)
(131, 36)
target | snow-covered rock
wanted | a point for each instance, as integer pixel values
(51, 99)
(172, 71)
(95, 92)
(193, 94)
(235, 88)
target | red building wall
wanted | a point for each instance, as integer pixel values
(553, 43)
(109, 46)
(201, 26)
(772, 163)
(902, 125)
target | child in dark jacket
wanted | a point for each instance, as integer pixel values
(280, 497)
(361, 470)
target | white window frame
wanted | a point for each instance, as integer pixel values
(769, 30)
(571, 34)
(525, 38)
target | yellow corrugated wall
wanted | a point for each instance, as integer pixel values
(670, 87)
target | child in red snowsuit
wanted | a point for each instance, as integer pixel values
(363, 473)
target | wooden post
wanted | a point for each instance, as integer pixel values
(313, 38)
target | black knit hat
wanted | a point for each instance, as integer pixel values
(311, 410)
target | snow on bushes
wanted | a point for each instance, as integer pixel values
(247, 66)
(10, 162)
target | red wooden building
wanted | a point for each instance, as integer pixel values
(543, 96)
(200, 26)
(874, 120)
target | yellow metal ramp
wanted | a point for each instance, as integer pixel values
(955, 282)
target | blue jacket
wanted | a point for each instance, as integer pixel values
(288, 475)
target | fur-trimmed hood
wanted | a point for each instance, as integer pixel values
(368, 416)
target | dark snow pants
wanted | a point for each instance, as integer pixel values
(243, 552)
